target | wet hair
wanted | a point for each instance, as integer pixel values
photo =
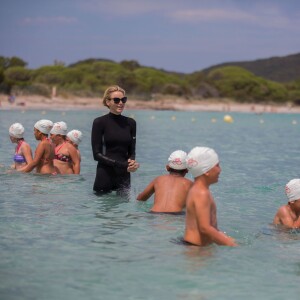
(181, 172)
(44, 134)
(62, 136)
(110, 90)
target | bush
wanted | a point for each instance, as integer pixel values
(33, 89)
(242, 85)
(17, 74)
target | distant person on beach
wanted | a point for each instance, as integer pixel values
(289, 214)
(74, 137)
(66, 157)
(113, 141)
(23, 153)
(170, 189)
(44, 153)
(201, 227)
(11, 99)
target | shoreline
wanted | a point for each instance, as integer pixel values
(167, 103)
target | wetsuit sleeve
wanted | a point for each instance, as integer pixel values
(131, 149)
(97, 146)
(110, 162)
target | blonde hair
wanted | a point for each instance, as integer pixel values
(108, 91)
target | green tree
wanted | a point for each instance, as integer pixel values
(17, 62)
(6, 62)
(243, 86)
(17, 74)
(130, 64)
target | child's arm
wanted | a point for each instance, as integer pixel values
(203, 215)
(296, 224)
(147, 192)
(38, 156)
(283, 217)
(27, 153)
(75, 159)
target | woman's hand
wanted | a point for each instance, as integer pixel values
(132, 165)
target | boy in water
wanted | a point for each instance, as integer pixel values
(170, 189)
(289, 214)
(201, 227)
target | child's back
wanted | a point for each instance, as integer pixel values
(170, 189)
(170, 193)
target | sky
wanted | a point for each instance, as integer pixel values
(174, 35)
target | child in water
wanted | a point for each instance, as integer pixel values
(66, 157)
(44, 153)
(23, 153)
(201, 226)
(170, 189)
(74, 137)
(289, 214)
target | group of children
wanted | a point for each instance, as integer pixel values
(173, 193)
(58, 154)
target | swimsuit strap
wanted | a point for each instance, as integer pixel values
(46, 139)
(56, 151)
(19, 146)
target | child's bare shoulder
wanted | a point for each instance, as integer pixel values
(282, 210)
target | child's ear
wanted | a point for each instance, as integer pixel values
(206, 173)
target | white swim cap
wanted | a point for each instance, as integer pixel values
(292, 189)
(200, 160)
(44, 126)
(59, 128)
(177, 160)
(16, 130)
(75, 136)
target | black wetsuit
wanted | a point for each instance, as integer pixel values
(113, 143)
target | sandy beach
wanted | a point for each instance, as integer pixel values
(166, 103)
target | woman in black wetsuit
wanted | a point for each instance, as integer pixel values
(113, 143)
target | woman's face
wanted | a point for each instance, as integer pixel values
(116, 108)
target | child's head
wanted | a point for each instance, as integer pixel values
(200, 160)
(177, 162)
(16, 132)
(292, 190)
(59, 128)
(42, 128)
(74, 137)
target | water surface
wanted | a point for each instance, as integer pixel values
(60, 241)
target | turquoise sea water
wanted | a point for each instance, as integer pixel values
(60, 241)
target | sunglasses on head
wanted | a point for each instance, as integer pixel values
(117, 100)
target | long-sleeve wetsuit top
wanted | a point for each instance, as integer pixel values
(113, 140)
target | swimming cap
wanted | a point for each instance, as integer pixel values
(75, 136)
(44, 126)
(200, 160)
(16, 130)
(177, 160)
(292, 189)
(59, 128)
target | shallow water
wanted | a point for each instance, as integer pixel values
(60, 241)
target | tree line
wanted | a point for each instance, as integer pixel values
(90, 77)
